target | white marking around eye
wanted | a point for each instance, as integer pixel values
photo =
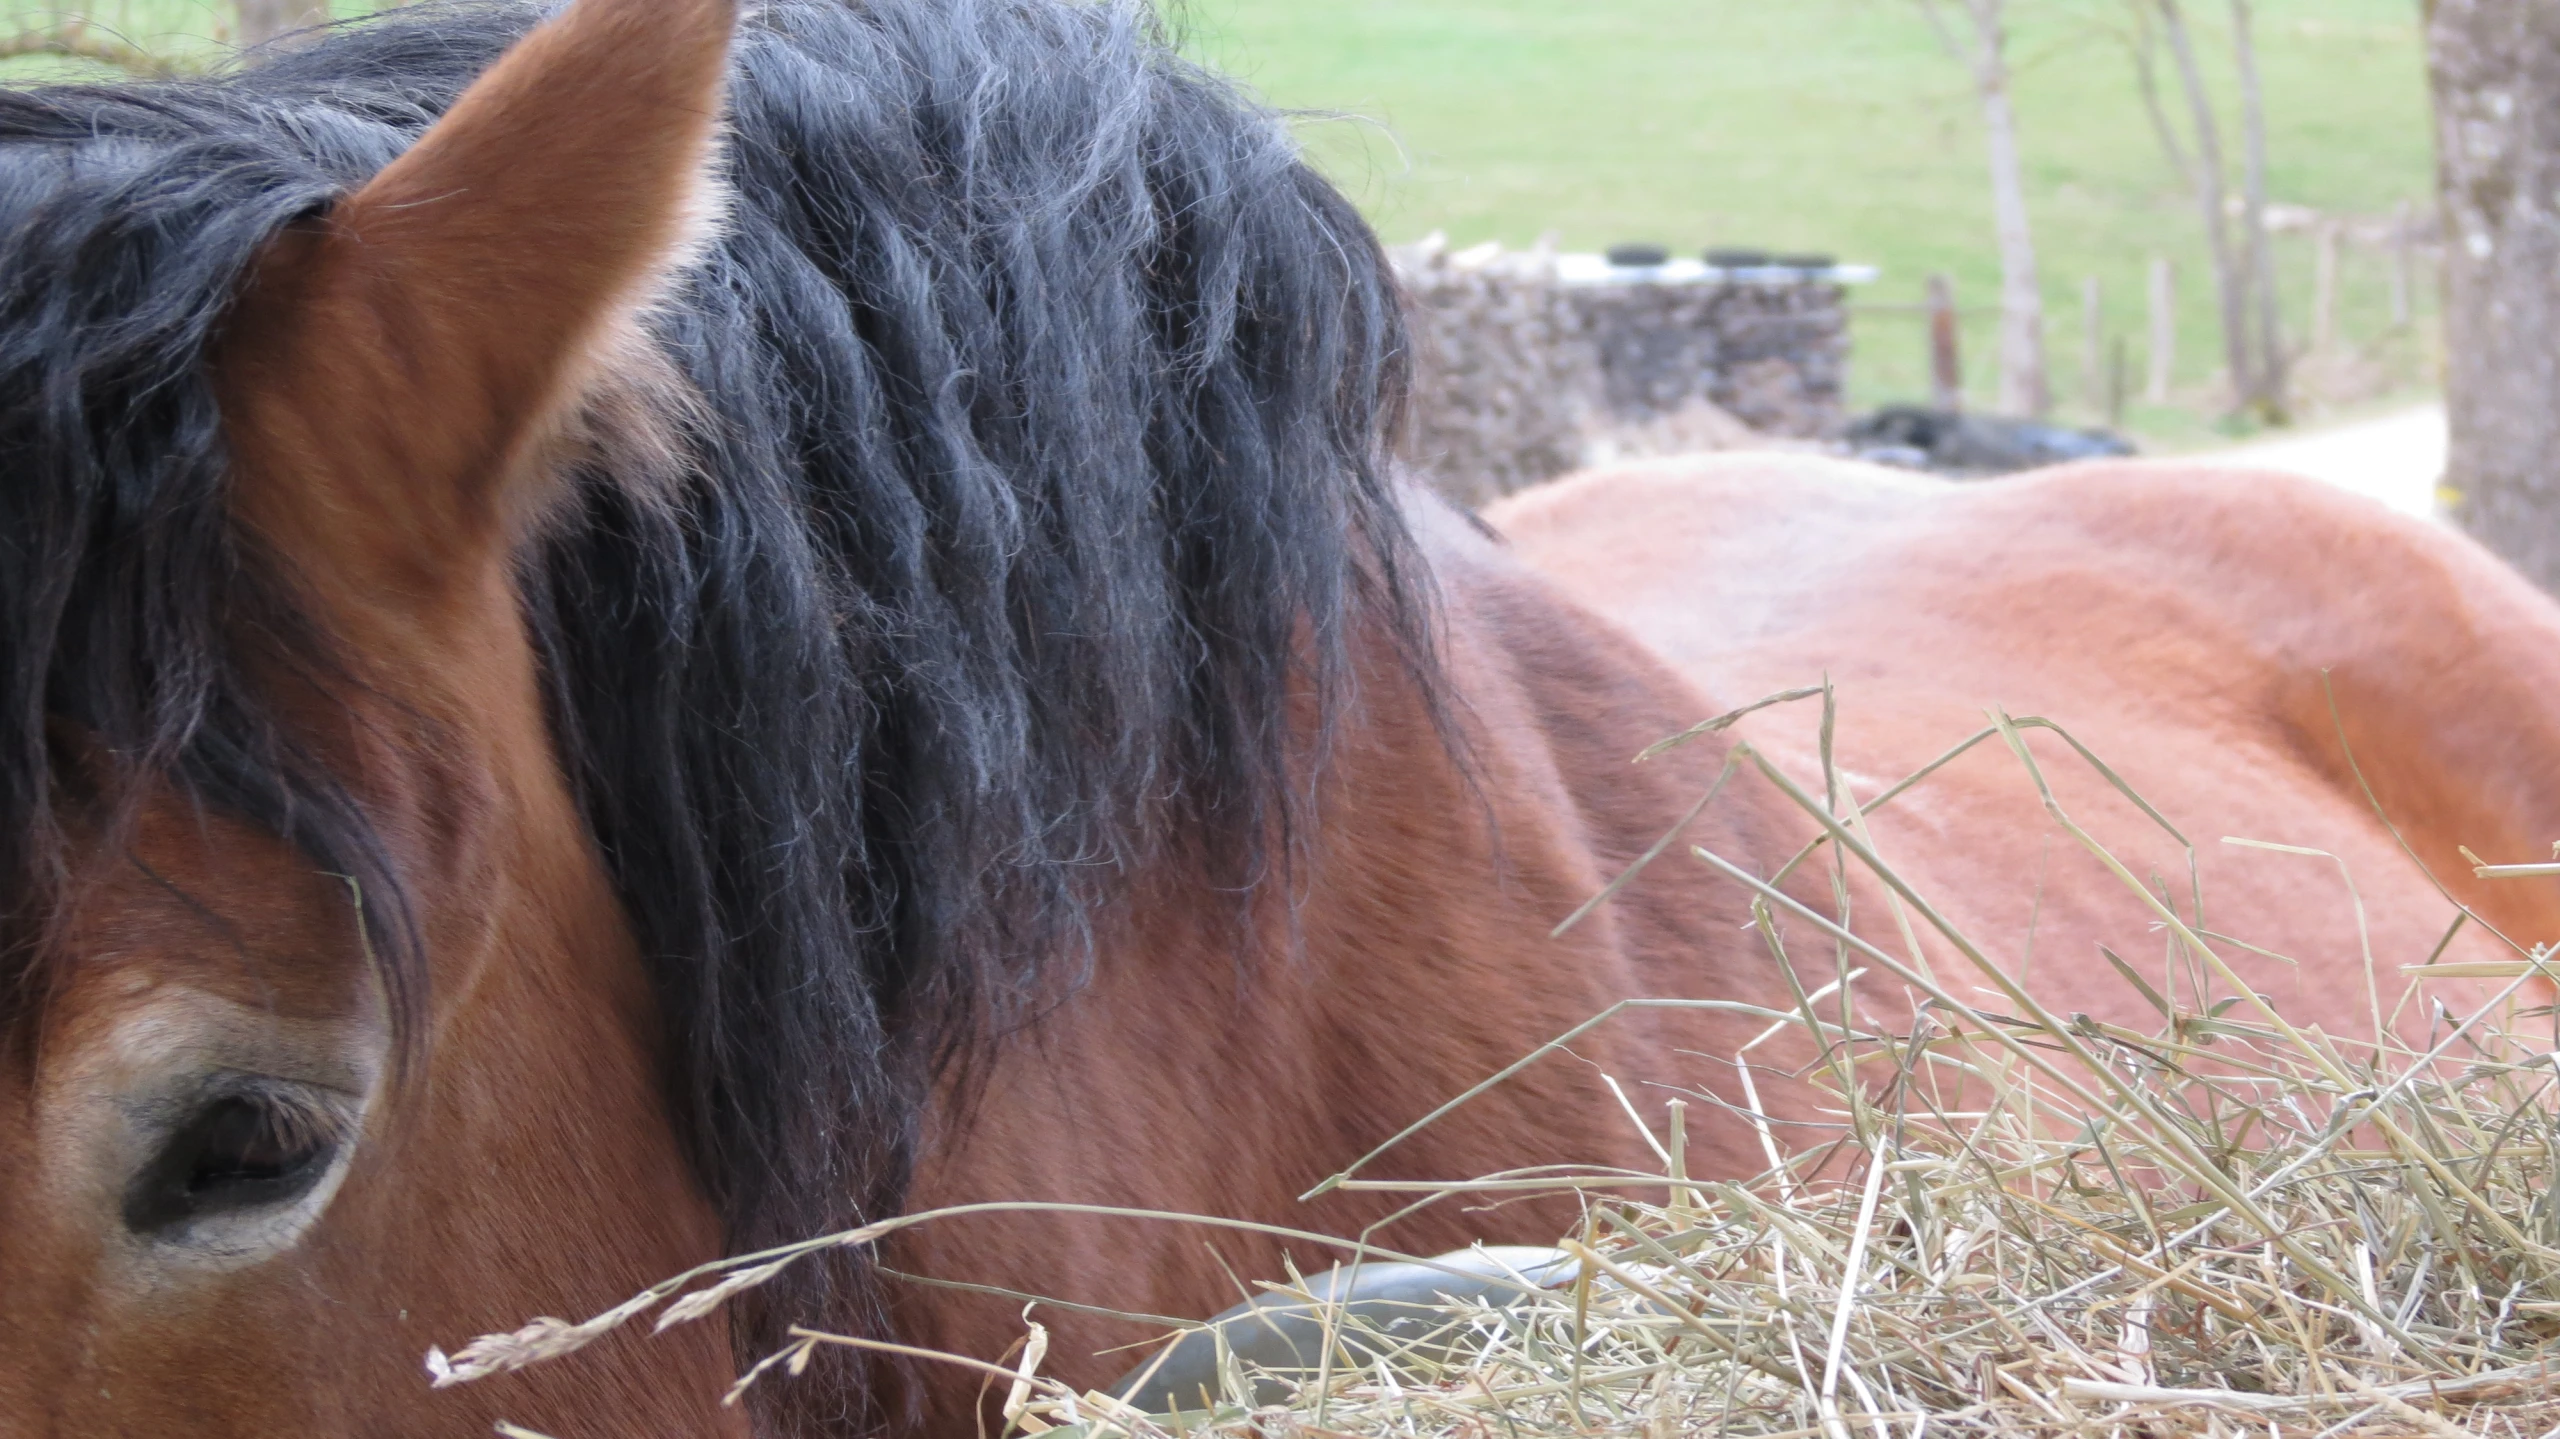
(108, 1101)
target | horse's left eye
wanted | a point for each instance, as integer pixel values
(245, 1150)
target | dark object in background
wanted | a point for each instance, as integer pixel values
(1733, 259)
(1953, 443)
(1638, 257)
(1804, 262)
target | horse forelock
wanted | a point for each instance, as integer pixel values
(126, 217)
(1027, 474)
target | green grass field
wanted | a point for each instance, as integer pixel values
(1830, 125)
(1839, 126)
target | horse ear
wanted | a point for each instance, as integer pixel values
(392, 369)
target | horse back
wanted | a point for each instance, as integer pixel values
(2256, 658)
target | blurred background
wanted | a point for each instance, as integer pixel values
(1841, 127)
(1856, 128)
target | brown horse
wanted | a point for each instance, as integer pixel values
(637, 637)
(2261, 657)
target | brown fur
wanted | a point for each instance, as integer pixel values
(1422, 965)
(2177, 623)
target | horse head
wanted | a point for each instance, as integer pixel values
(321, 1042)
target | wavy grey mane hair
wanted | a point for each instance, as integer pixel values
(1034, 447)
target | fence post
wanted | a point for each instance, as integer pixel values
(2164, 333)
(2093, 345)
(1946, 354)
(2404, 264)
(2119, 374)
(2324, 289)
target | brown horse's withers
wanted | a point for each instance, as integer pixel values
(286, 1104)
(2261, 658)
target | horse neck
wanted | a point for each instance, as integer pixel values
(1408, 952)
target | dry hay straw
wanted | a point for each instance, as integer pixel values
(2028, 1225)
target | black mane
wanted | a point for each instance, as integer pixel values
(1042, 402)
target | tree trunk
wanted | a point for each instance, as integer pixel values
(2268, 395)
(2024, 387)
(264, 20)
(2495, 69)
(2231, 286)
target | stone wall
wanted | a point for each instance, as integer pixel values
(1532, 365)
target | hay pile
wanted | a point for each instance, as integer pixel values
(2030, 1225)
